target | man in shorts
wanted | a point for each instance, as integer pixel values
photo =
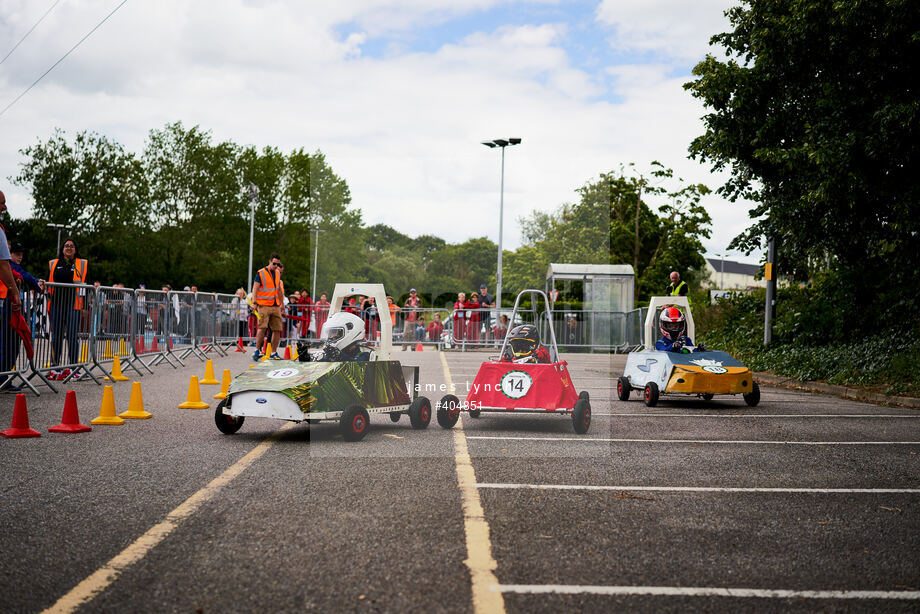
(268, 294)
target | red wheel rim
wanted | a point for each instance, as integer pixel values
(648, 393)
(425, 414)
(587, 417)
(357, 423)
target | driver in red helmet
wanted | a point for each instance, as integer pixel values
(524, 346)
(673, 327)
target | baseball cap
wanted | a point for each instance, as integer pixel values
(17, 248)
(482, 286)
(411, 289)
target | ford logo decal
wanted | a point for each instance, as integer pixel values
(261, 401)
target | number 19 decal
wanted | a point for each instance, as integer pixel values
(516, 384)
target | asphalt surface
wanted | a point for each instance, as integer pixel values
(319, 524)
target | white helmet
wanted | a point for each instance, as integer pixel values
(342, 329)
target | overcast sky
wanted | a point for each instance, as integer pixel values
(397, 93)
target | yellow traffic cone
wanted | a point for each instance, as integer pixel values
(268, 351)
(84, 352)
(136, 404)
(107, 410)
(122, 349)
(117, 375)
(209, 374)
(193, 400)
(224, 385)
(294, 354)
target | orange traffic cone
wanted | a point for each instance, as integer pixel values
(70, 421)
(419, 348)
(239, 345)
(154, 348)
(136, 404)
(209, 374)
(287, 352)
(117, 375)
(193, 400)
(107, 413)
(20, 426)
(224, 385)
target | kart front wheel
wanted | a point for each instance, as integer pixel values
(752, 398)
(474, 413)
(227, 425)
(581, 416)
(448, 411)
(651, 394)
(394, 416)
(420, 413)
(708, 396)
(353, 423)
(623, 388)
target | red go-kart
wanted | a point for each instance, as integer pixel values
(528, 387)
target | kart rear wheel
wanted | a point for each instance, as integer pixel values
(651, 394)
(420, 413)
(752, 398)
(227, 425)
(353, 423)
(581, 416)
(448, 411)
(623, 389)
(395, 416)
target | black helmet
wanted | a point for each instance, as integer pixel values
(524, 341)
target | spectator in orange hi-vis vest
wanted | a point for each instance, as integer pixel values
(268, 294)
(66, 272)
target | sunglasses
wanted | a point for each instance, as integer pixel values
(71, 245)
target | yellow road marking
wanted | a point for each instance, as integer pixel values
(102, 578)
(487, 597)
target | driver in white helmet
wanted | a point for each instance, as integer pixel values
(342, 333)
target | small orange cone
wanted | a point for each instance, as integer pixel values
(287, 352)
(239, 345)
(117, 375)
(419, 348)
(224, 385)
(154, 347)
(107, 410)
(193, 400)
(136, 404)
(70, 421)
(209, 374)
(20, 426)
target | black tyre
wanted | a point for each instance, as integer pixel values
(420, 413)
(708, 396)
(313, 421)
(354, 423)
(448, 411)
(651, 394)
(227, 425)
(752, 398)
(581, 416)
(474, 413)
(623, 389)
(395, 416)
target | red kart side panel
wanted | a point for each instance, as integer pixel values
(509, 386)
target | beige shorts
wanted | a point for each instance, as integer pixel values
(270, 317)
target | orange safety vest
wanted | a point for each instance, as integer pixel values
(269, 284)
(79, 277)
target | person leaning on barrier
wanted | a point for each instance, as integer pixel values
(10, 353)
(411, 306)
(66, 305)
(9, 292)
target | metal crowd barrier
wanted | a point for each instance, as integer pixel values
(16, 372)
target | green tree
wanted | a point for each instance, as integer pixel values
(815, 114)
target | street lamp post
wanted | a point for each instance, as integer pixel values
(60, 227)
(315, 258)
(253, 198)
(501, 211)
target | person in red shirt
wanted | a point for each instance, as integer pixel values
(435, 328)
(472, 318)
(460, 317)
(305, 310)
(321, 313)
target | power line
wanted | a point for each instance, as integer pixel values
(63, 57)
(26, 35)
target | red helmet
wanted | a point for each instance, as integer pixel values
(672, 323)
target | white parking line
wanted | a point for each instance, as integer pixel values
(654, 415)
(701, 441)
(704, 591)
(874, 491)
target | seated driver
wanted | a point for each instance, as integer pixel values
(342, 333)
(673, 327)
(524, 346)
